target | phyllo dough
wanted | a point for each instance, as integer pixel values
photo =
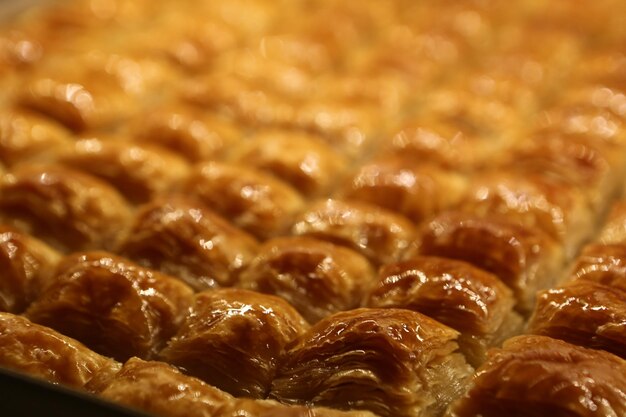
(181, 237)
(539, 376)
(380, 235)
(585, 313)
(112, 305)
(397, 183)
(44, 353)
(234, 339)
(389, 361)
(605, 264)
(472, 301)
(259, 203)
(524, 258)
(162, 390)
(64, 207)
(27, 264)
(318, 278)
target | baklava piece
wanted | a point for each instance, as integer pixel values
(139, 172)
(455, 293)
(413, 189)
(257, 202)
(604, 264)
(539, 376)
(44, 353)
(524, 258)
(26, 265)
(115, 307)
(585, 313)
(378, 234)
(318, 278)
(66, 208)
(181, 237)
(389, 361)
(193, 134)
(234, 340)
(534, 201)
(25, 135)
(304, 161)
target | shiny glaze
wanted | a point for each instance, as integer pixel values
(123, 301)
(181, 237)
(318, 278)
(234, 339)
(605, 264)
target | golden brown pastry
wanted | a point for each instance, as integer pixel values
(524, 258)
(258, 203)
(139, 172)
(614, 229)
(44, 353)
(181, 237)
(64, 207)
(115, 307)
(305, 161)
(389, 361)
(162, 390)
(376, 233)
(585, 313)
(193, 134)
(234, 339)
(397, 183)
(455, 293)
(318, 278)
(24, 135)
(604, 264)
(539, 376)
(26, 265)
(533, 200)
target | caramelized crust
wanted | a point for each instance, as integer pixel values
(138, 172)
(604, 264)
(316, 277)
(66, 208)
(539, 376)
(306, 162)
(397, 183)
(26, 265)
(376, 233)
(123, 301)
(389, 361)
(42, 352)
(455, 293)
(585, 313)
(534, 201)
(234, 339)
(256, 202)
(524, 258)
(181, 237)
(24, 135)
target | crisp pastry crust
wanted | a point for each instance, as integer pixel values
(139, 172)
(392, 362)
(254, 201)
(234, 339)
(524, 258)
(540, 376)
(305, 161)
(26, 265)
(181, 237)
(64, 207)
(584, 312)
(604, 264)
(472, 301)
(25, 135)
(123, 301)
(533, 200)
(42, 352)
(397, 183)
(378, 234)
(318, 278)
